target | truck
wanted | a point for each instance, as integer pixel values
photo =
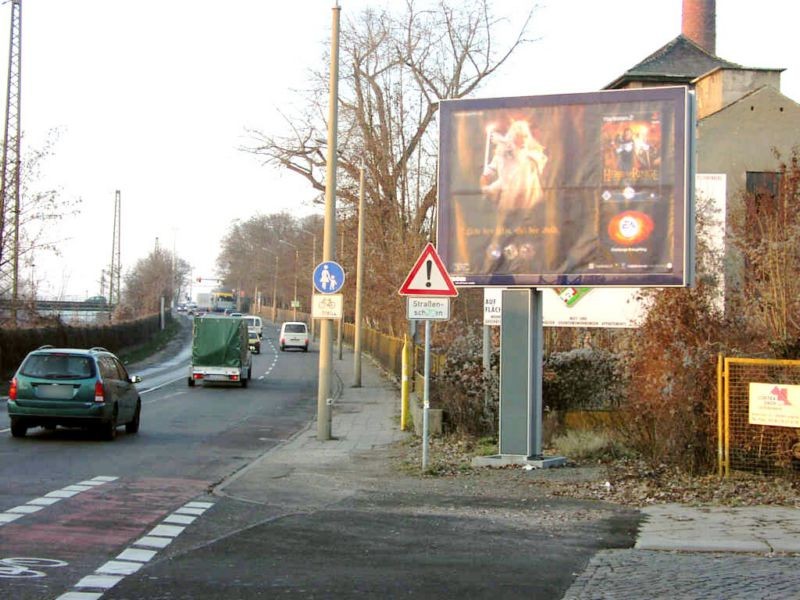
(203, 301)
(220, 351)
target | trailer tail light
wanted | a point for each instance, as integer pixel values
(12, 391)
(283, 341)
(99, 392)
(197, 375)
(233, 377)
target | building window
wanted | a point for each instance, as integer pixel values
(762, 198)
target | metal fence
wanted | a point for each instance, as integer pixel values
(758, 416)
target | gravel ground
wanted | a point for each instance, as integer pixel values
(626, 482)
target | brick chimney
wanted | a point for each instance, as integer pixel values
(699, 23)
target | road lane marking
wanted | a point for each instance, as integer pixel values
(50, 498)
(133, 558)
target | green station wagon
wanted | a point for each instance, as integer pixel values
(73, 388)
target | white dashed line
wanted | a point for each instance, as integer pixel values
(50, 498)
(150, 541)
(130, 560)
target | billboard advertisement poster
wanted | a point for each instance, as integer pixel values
(574, 190)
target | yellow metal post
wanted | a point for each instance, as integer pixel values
(405, 384)
(726, 411)
(720, 445)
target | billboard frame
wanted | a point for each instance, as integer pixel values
(678, 179)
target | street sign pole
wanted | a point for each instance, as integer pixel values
(324, 399)
(426, 399)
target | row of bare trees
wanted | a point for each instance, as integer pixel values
(395, 68)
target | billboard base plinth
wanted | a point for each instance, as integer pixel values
(504, 460)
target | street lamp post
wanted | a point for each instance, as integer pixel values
(359, 281)
(274, 285)
(313, 265)
(294, 301)
(324, 387)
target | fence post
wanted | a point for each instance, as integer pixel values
(405, 384)
(720, 428)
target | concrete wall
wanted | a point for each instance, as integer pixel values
(742, 137)
(722, 87)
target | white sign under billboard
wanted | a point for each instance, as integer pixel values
(492, 306)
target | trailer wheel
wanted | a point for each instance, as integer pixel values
(190, 382)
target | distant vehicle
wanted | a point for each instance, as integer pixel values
(254, 324)
(96, 300)
(73, 388)
(235, 314)
(220, 352)
(254, 342)
(181, 307)
(222, 299)
(203, 301)
(294, 334)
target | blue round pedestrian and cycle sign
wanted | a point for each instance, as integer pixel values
(328, 277)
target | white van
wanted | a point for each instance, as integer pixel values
(253, 324)
(294, 334)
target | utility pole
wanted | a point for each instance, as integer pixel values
(324, 399)
(359, 281)
(313, 265)
(296, 253)
(9, 187)
(115, 271)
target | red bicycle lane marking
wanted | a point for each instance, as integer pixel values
(99, 520)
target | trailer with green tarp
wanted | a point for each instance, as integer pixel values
(220, 352)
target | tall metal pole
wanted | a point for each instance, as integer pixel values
(296, 254)
(11, 161)
(359, 281)
(313, 264)
(324, 399)
(294, 303)
(275, 292)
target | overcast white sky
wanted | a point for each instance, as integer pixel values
(153, 97)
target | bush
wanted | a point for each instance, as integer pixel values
(462, 388)
(584, 378)
(588, 445)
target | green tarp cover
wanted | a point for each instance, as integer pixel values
(219, 342)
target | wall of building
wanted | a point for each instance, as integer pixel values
(722, 87)
(740, 138)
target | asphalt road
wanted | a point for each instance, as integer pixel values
(190, 439)
(138, 517)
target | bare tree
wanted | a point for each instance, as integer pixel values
(154, 277)
(395, 68)
(38, 212)
(765, 231)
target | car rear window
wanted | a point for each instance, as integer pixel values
(58, 366)
(295, 328)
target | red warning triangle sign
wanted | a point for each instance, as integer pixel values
(428, 277)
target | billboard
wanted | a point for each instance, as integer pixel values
(570, 190)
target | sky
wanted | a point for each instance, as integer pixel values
(155, 98)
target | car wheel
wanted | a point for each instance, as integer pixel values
(108, 430)
(243, 382)
(18, 428)
(133, 426)
(282, 348)
(190, 382)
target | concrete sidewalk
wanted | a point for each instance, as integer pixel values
(681, 551)
(362, 419)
